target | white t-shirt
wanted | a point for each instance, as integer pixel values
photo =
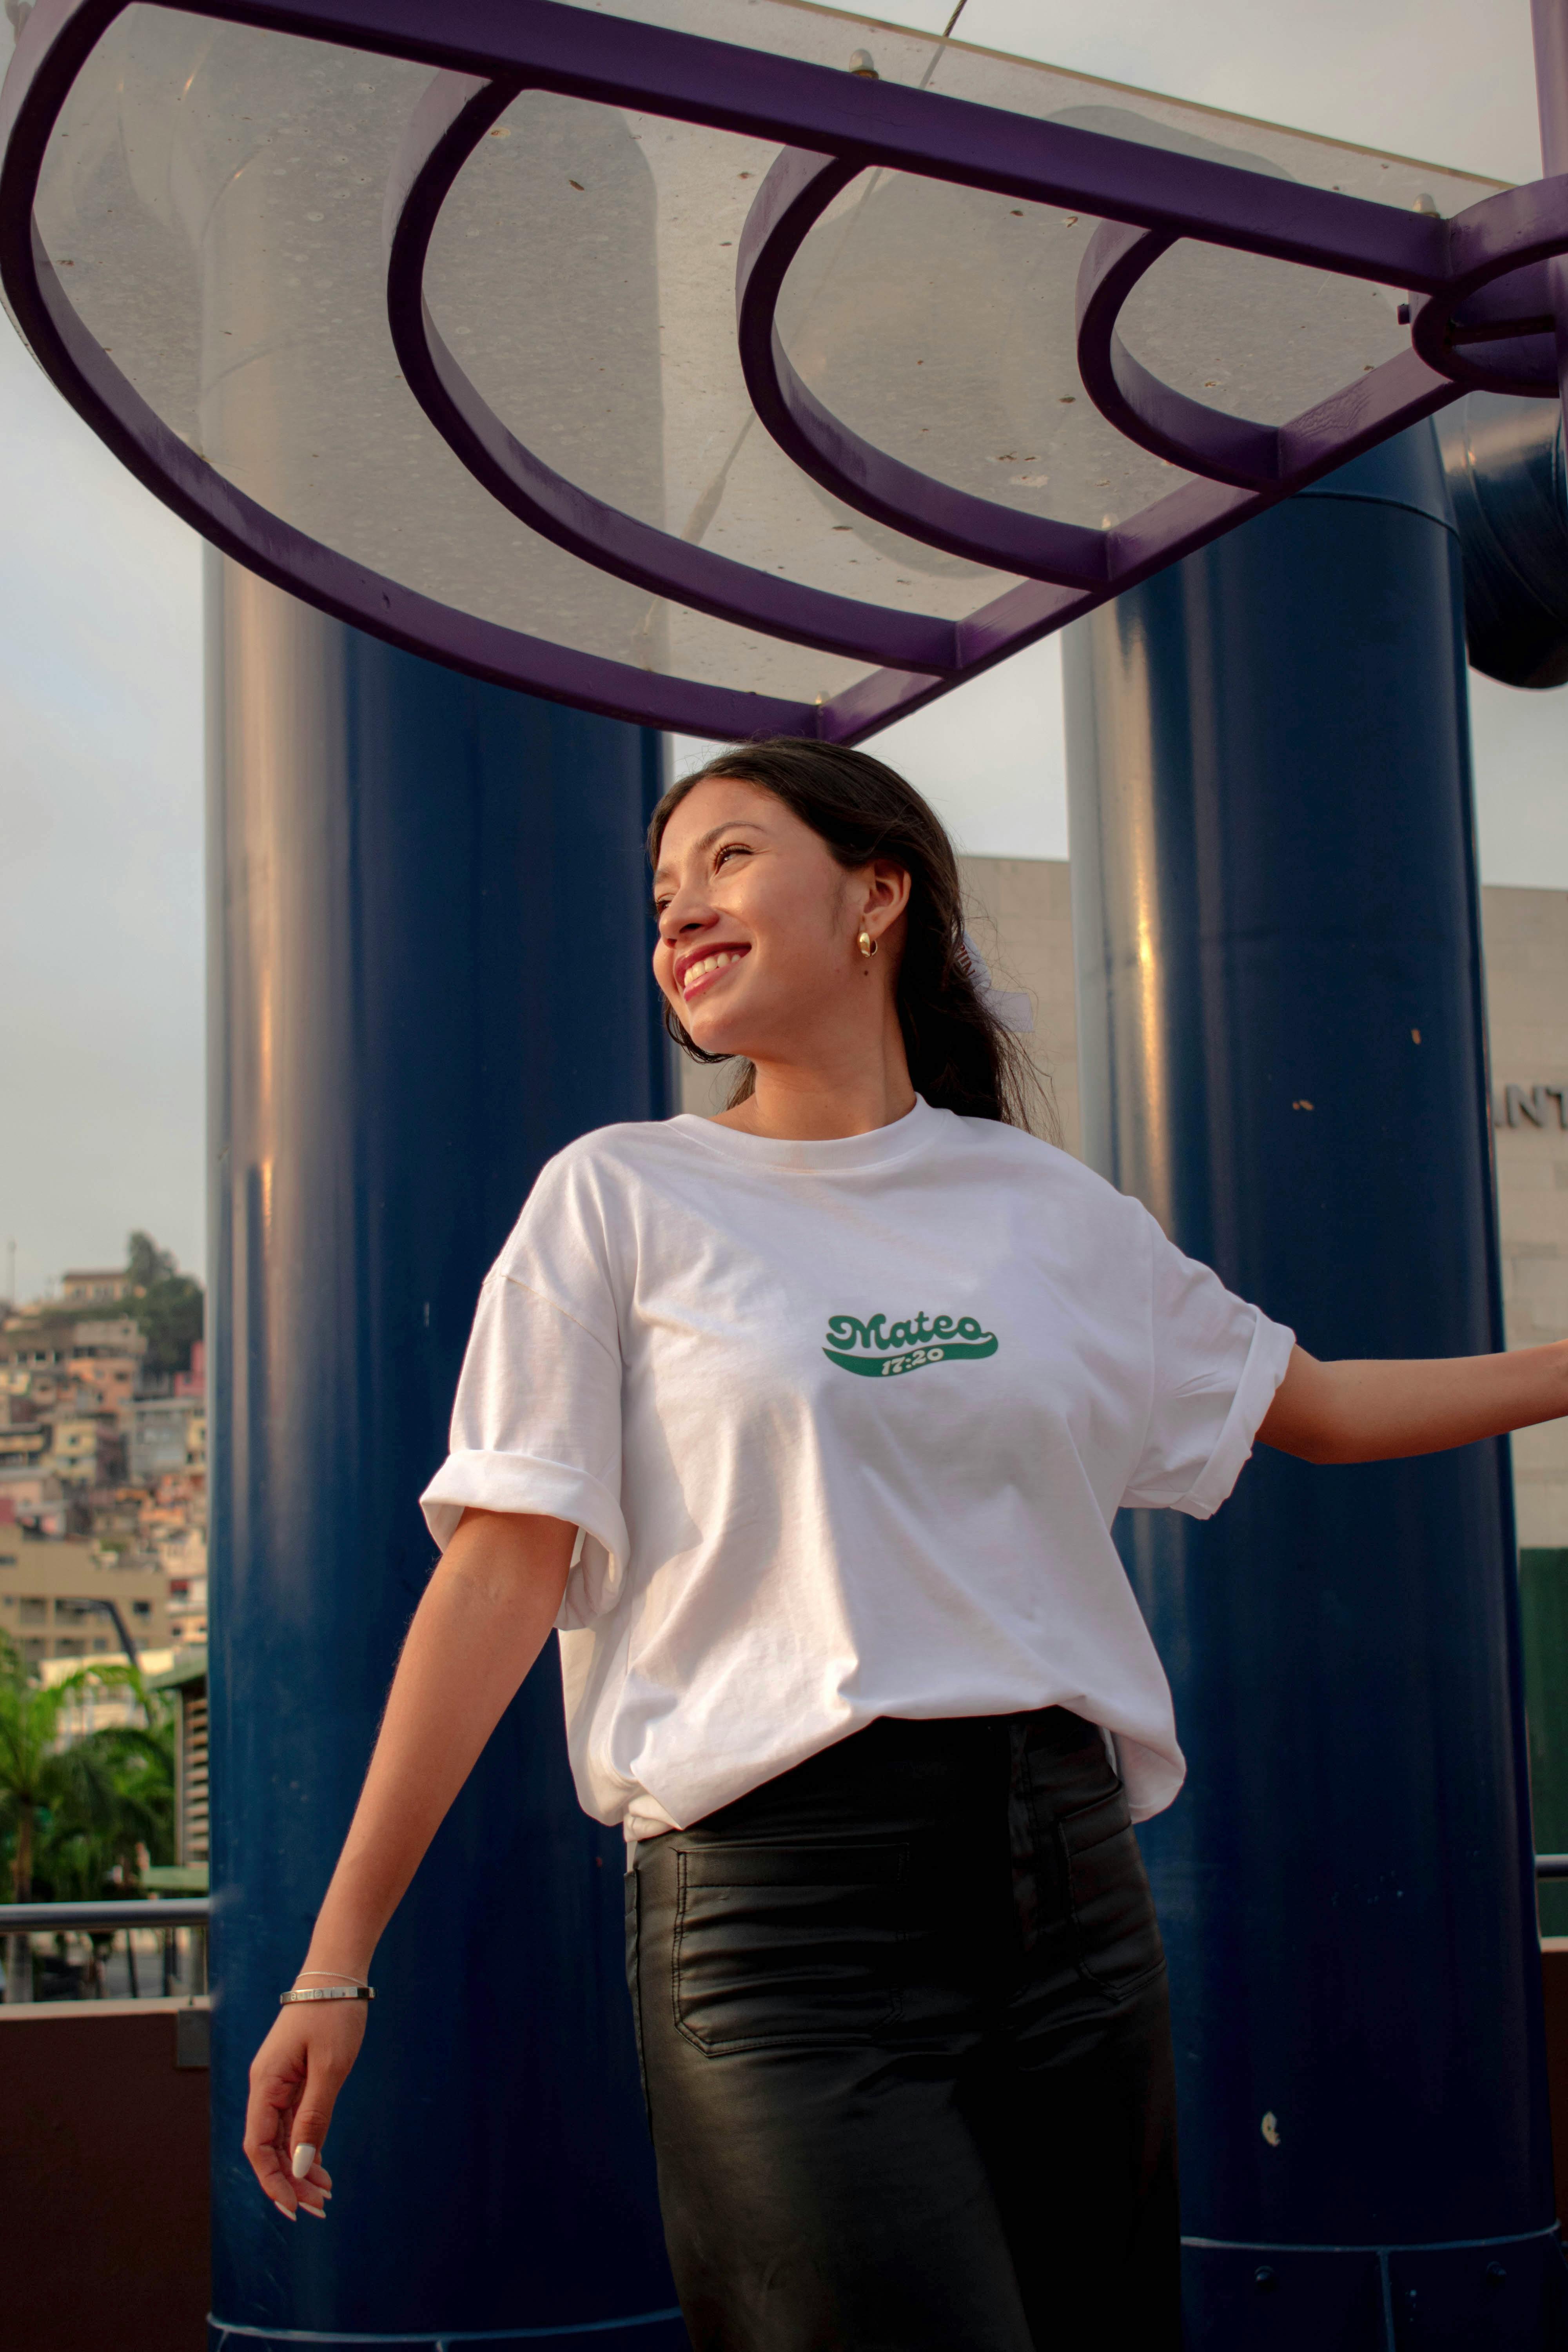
(844, 1426)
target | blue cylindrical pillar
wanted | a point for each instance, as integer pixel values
(429, 969)
(1507, 478)
(1282, 1052)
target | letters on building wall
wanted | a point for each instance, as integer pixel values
(1531, 1107)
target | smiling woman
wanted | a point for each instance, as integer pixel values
(854, 1659)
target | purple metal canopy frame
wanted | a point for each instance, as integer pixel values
(1482, 290)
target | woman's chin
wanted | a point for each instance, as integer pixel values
(714, 1038)
(719, 1029)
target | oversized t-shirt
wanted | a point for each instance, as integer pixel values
(844, 1426)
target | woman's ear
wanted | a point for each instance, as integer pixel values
(889, 893)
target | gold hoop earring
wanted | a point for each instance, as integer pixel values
(866, 943)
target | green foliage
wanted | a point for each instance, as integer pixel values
(172, 1316)
(168, 1305)
(145, 1263)
(71, 1816)
(118, 1806)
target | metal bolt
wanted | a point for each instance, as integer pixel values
(1265, 2278)
(1495, 2274)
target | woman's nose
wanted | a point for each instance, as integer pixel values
(680, 918)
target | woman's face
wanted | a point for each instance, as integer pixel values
(758, 922)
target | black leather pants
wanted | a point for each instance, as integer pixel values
(906, 2051)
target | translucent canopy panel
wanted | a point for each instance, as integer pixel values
(912, 455)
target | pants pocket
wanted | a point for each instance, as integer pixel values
(1109, 1901)
(782, 1945)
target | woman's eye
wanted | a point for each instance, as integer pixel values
(730, 849)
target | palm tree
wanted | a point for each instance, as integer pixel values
(117, 1813)
(90, 1805)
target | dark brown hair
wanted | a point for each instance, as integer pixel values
(960, 1056)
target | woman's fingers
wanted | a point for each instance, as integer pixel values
(277, 2075)
(295, 2078)
(325, 2075)
(312, 2185)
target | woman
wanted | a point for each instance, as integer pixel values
(806, 1425)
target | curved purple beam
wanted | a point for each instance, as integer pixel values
(1497, 300)
(452, 117)
(791, 198)
(55, 44)
(1498, 250)
(1187, 432)
(1371, 409)
(1502, 338)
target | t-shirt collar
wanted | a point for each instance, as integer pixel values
(840, 1155)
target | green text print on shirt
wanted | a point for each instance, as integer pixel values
(874, 1351)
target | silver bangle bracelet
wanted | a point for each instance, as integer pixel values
(327, 1993)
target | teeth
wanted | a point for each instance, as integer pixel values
(695, 971)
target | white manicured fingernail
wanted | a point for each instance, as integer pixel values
(304, 2157)
(314, 2212)
(284, 2210)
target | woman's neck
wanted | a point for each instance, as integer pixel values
(796, 1103)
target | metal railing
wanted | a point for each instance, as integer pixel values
(159, 1911)
(195, 1910)
(162, 1914)
(169, 1929)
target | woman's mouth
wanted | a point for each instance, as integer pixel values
(703, 971)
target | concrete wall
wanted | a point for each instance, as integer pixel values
(1527, 1004)
(103, 2176)
(1022, 919)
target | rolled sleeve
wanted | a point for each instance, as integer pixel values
(1267, 1360)
(536, 1428)
(1217, 1364)
(469, 1480)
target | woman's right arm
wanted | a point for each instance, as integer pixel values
(481, 1624)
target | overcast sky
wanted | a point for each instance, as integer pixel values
(100, 945)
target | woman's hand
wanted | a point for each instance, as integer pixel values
(295, 2078)
(295, 2083)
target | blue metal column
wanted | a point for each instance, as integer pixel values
(429, 940)
(1504, 462)
(1282, 1052)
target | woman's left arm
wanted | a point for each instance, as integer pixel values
(1378, 1411)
